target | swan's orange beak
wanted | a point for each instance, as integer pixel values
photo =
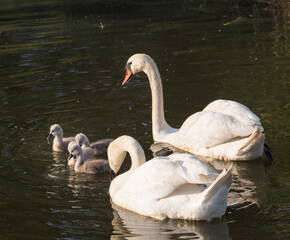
(128, 76)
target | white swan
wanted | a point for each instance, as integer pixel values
(225, 129)
(59, 142)
(166, 187)
(92, 166)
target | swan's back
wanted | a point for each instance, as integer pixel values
(235, 109)
(172, 186)
(160, 176)
(208, 129)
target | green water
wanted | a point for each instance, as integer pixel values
(58, 66)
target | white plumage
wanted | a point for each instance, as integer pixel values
(224, 129)
(167, 187)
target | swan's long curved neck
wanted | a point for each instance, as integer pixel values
(117, 153)
(159, 125)
(137, 158)
(118, 149)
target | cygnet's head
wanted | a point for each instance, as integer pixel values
(137, 63)
(55, 130)
(81, 139)
(74, 151)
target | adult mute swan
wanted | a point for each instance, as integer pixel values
(92, 166)
(59, 142)
(98, 148)
(225, 129)
(166, 187)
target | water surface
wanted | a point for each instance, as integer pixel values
(58, 66)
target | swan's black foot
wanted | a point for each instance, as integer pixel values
(163, 152)
(160, 149)
(269, 152)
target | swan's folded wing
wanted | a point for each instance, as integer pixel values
(195, 170)
(236, 110)
(209, 129)
(159, 177)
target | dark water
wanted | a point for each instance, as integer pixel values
(58, 66)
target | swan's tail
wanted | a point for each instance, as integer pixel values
(255, 135)
(253, 147)
(217, 192)
(269, 152)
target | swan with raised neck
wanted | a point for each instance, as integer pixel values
(225, 129)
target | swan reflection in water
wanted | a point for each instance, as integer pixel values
(247, 187)
(249, 177)
(130, 225)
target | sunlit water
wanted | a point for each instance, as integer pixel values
(58, 66)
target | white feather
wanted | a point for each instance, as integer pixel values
(168, 187)
(225, 129)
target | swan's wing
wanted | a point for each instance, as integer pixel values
(209, 129)
(196, 170)
(236, 110)
(161, 176)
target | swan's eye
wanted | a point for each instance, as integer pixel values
(128, 65)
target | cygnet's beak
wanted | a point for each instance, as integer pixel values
(128, 76)
(70, 157)
(48, 137)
